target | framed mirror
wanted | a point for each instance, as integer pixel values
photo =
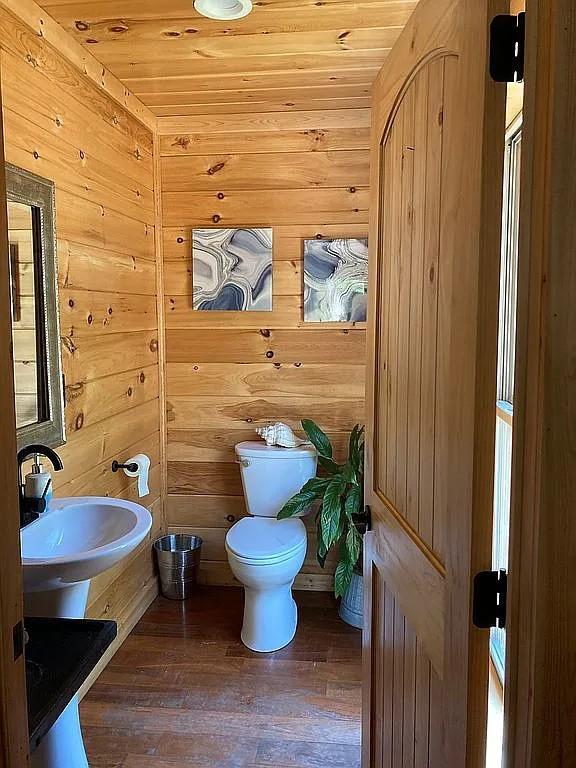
(38, 385)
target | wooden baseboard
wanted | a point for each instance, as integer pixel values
(219, 574)
(125, 626)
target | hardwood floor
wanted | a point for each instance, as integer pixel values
(184, 691)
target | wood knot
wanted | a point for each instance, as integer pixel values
(182, 141)
(142, 377)
(215, 168)
(154, 345)
(215, 218)
(79, 421)
(69, 344)
(265, 332)
(220, 195)
(82, 26)
(74, 391)
(269, 354)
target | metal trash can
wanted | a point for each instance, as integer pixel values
(178, 557)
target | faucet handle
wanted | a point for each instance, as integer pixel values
(31, 509)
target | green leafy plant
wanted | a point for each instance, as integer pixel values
(340, 489)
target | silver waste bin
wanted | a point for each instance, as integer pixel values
(178, 558)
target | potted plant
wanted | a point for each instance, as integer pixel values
(341, 519)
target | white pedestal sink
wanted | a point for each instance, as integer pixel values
(74, 541)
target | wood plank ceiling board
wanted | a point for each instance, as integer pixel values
(287, 55)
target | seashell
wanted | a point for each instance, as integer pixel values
(280, 434)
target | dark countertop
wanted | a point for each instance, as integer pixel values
(60, 655)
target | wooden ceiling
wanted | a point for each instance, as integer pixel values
(286, 55)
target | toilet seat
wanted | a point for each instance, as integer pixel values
(266, 541)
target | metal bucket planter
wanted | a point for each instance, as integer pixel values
(178, 557)
(352, 604)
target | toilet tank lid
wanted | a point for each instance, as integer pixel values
(254, 450)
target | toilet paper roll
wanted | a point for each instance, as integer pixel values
(143, 463)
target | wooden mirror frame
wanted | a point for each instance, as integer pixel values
(29, 189)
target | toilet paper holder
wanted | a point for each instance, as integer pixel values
(133, 467)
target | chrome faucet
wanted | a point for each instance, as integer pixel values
(30, 509)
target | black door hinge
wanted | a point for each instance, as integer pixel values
(507, 44)
(18, 640)
(489, 603)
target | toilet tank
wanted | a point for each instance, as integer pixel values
(271, 475)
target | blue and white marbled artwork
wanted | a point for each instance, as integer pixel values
(335, 280)
(232, 269)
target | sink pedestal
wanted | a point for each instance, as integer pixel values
(63, 744)
(69, 602)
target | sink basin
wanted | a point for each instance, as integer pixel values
(74, 541)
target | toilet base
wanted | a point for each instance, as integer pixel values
(270, 618)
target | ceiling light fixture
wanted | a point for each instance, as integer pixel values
(223, 10)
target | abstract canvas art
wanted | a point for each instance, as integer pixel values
(232, 269)
(335, 280)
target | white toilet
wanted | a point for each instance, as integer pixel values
(266, 554)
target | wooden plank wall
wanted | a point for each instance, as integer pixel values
(306, 175)
(59, 125)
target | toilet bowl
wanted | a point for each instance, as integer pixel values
(266, 554)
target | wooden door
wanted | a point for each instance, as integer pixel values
(13, 719)
(437, 151)
(540, 703)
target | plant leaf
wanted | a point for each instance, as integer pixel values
(318, 438)
(322, 550)
(356, 448)
(343, 577)
(329, 465)
(316, 485)
(331, 510)
(349, 473)
(353, 543)
(353, 502)
(297, 504)
(312, 490)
